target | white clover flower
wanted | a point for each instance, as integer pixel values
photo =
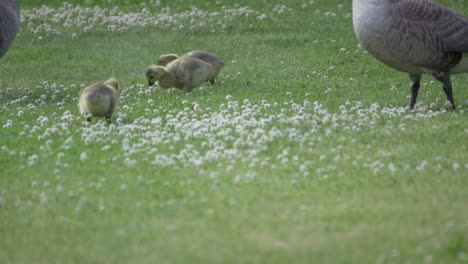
(83, 156)
(196, 107)
(59, 188)
(42, 198)
(106, 148)
(32, 159)
(8, 124)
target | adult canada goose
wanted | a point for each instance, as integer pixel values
(99, 100)
(414, 36)
(9, 24)
(206, 56)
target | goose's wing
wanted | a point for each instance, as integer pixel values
(457, 40)
(445, 27)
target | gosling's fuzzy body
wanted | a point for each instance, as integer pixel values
(185, 72)
(164, 59)
(205, 56)
(99, 99)
(414, 36)
(9, 24)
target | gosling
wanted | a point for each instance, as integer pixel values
(9, 24)
(414, 36)
(164, 59)
(205, 56)
(184, 73)
(99, 100)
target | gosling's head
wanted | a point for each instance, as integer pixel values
(113, 83)
(164, 59)
(154, 73)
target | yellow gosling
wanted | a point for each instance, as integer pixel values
(164, 59)
(209, 57)
(183, 73)
(99, 100)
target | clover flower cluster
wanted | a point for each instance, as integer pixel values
(261, 135)
(195, 135)
(75, 18)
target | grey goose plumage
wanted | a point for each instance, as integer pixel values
(9, 24)
(414, 36)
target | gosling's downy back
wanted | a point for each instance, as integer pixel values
(164, 59)
(206, 56)
(190, 72)
(99, 99)
(113, 83)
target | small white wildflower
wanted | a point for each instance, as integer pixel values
(34, 184)
(42, 198)
(105, 148)
(101, 206)
(83, 156)
(8, 124)
(238, 180)
(32, 159)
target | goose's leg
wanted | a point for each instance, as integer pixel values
(212, 81)
(414, 88)
(108, 120)
(447, 87)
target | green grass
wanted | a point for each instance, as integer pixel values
(280, 164)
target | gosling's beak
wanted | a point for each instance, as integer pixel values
(150, 83)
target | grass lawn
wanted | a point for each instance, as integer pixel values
(303, 151)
